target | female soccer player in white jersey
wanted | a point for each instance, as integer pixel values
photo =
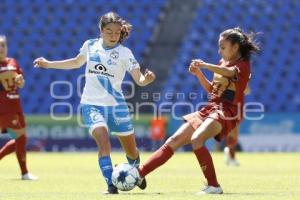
(103, 107)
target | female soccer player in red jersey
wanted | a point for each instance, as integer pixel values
(221, 115)
(11, 114)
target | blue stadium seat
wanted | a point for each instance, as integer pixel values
(57, 29)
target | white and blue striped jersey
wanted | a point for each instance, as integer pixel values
(104, 73)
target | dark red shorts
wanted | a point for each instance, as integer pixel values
(12, 120)
(226, 116)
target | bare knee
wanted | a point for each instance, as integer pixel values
(173, 142)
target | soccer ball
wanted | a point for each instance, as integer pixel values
(125, 177)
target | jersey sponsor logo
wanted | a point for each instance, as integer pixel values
(100, 69)
(114, 54)
(7, 68)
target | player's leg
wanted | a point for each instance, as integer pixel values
(93, 117)
(101, 137)
(129, 145)
(229, 150)
(208, 129)
(9, 147)
(181, 137)
(20, 148)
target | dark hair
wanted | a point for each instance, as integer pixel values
(246, 42)
(112, 17)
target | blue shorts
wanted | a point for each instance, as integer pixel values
(116, 119)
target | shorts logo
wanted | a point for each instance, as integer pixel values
(96, 117)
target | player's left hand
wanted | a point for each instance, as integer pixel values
(19, 81)
(149, 76)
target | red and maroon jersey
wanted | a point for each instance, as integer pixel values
(231, 90)
(9, 99)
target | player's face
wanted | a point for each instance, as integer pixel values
(111, 34)
(3, 48)
(227, 50)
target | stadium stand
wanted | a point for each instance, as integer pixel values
(275, 72)
(56, 30)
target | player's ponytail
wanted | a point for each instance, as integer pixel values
(112, 17)
(246, 42)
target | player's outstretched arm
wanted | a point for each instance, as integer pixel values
(225, 71)
(71, 63)
(142, 79)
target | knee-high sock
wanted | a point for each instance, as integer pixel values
(21, 153)
(231, 144)
(207, 166)
(106, 168)
(158, 158)
(8, 148)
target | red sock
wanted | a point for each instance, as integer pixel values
(21, 153)
(207, 166)
(231, 143)
(8, 148)
(158, 158)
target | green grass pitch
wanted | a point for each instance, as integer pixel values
(75, 176)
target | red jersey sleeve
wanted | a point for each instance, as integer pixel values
(242, 77)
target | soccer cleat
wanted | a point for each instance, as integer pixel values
(233, 162)
(111, 190)
(228, 160)
(29, 177)
(210, 190)
(142, 183)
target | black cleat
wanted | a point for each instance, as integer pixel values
(111, 190)
(142, 183)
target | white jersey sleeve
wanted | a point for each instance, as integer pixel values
(84, 49)
(130, 61)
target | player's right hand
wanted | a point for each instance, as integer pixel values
(41, 62)
(194, 69)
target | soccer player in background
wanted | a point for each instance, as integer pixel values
(232, 141)
(103, 106)
(223, 112)
(11, 114)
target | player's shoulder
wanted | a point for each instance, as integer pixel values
(244, 63)
(91, 41)
(124, 51)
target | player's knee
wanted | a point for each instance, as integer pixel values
(197, 141)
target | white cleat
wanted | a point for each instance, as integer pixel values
(210, 190)
(228, 160)
(233, 162)
(29, 177)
